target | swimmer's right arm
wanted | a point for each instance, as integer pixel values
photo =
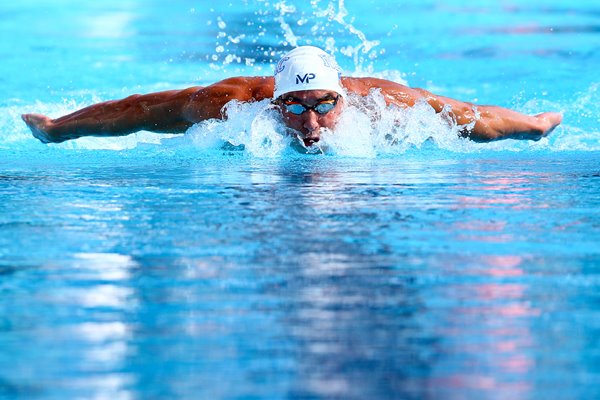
(157, 112)
(172, 111)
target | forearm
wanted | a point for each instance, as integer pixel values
(156, 112)
(489, 123)
(112, 118)
(496, 123)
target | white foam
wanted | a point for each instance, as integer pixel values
(253, 126)
(367, 128)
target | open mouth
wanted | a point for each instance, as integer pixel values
(309, 142)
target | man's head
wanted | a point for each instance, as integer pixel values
(308, 91)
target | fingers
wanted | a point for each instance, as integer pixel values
(38, 125)
(33, 119)
(553, 118)
(549, 121)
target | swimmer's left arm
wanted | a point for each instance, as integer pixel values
(493, 122)
(482, 123)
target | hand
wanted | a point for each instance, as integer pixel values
(548, 121)
(40, 127)
(539, 126)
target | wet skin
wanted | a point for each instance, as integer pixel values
(310, 122)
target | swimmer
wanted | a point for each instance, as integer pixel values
(308, 90)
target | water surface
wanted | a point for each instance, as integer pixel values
(151, 267)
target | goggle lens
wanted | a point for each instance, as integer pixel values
(323, 107)
(295, 108)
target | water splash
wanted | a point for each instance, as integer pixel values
(330, 28)
(254, 127)
(371, 128)
(363, 50)
(290, 37)
(368, 128)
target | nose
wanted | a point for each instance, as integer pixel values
(311, 122)
(311, 125)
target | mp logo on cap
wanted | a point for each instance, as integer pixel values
(304, 79)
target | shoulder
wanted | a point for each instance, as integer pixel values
(363, 85)
(393, 92)
(207, 102)
(244, 88)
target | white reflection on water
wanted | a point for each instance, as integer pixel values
(105, 296)
(106, 386)
(103, 331)
(109, 25)
(102, 345)
(105, 266)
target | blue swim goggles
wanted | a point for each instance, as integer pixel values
(322, 107)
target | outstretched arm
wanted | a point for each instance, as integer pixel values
(171, 111)
(490, 122)
(493, 122)
(158, 112)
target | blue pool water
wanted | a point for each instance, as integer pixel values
(157, 266)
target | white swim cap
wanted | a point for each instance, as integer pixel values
(307, 68)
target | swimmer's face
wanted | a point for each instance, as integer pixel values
(310, 122)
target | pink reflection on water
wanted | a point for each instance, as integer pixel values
(517, 390)
(481, 231)
(502, 266)
(500, 191)
(488, 339)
